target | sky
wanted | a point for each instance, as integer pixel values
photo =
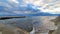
(29, 7)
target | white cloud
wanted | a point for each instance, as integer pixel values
(54, 11)
(17, 12)
(46, 8)
(0, 3)
(22, 12)
(37, 3)
(15, 1)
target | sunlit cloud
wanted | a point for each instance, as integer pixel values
(21, 7)
(52, 8)
(54, 11)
